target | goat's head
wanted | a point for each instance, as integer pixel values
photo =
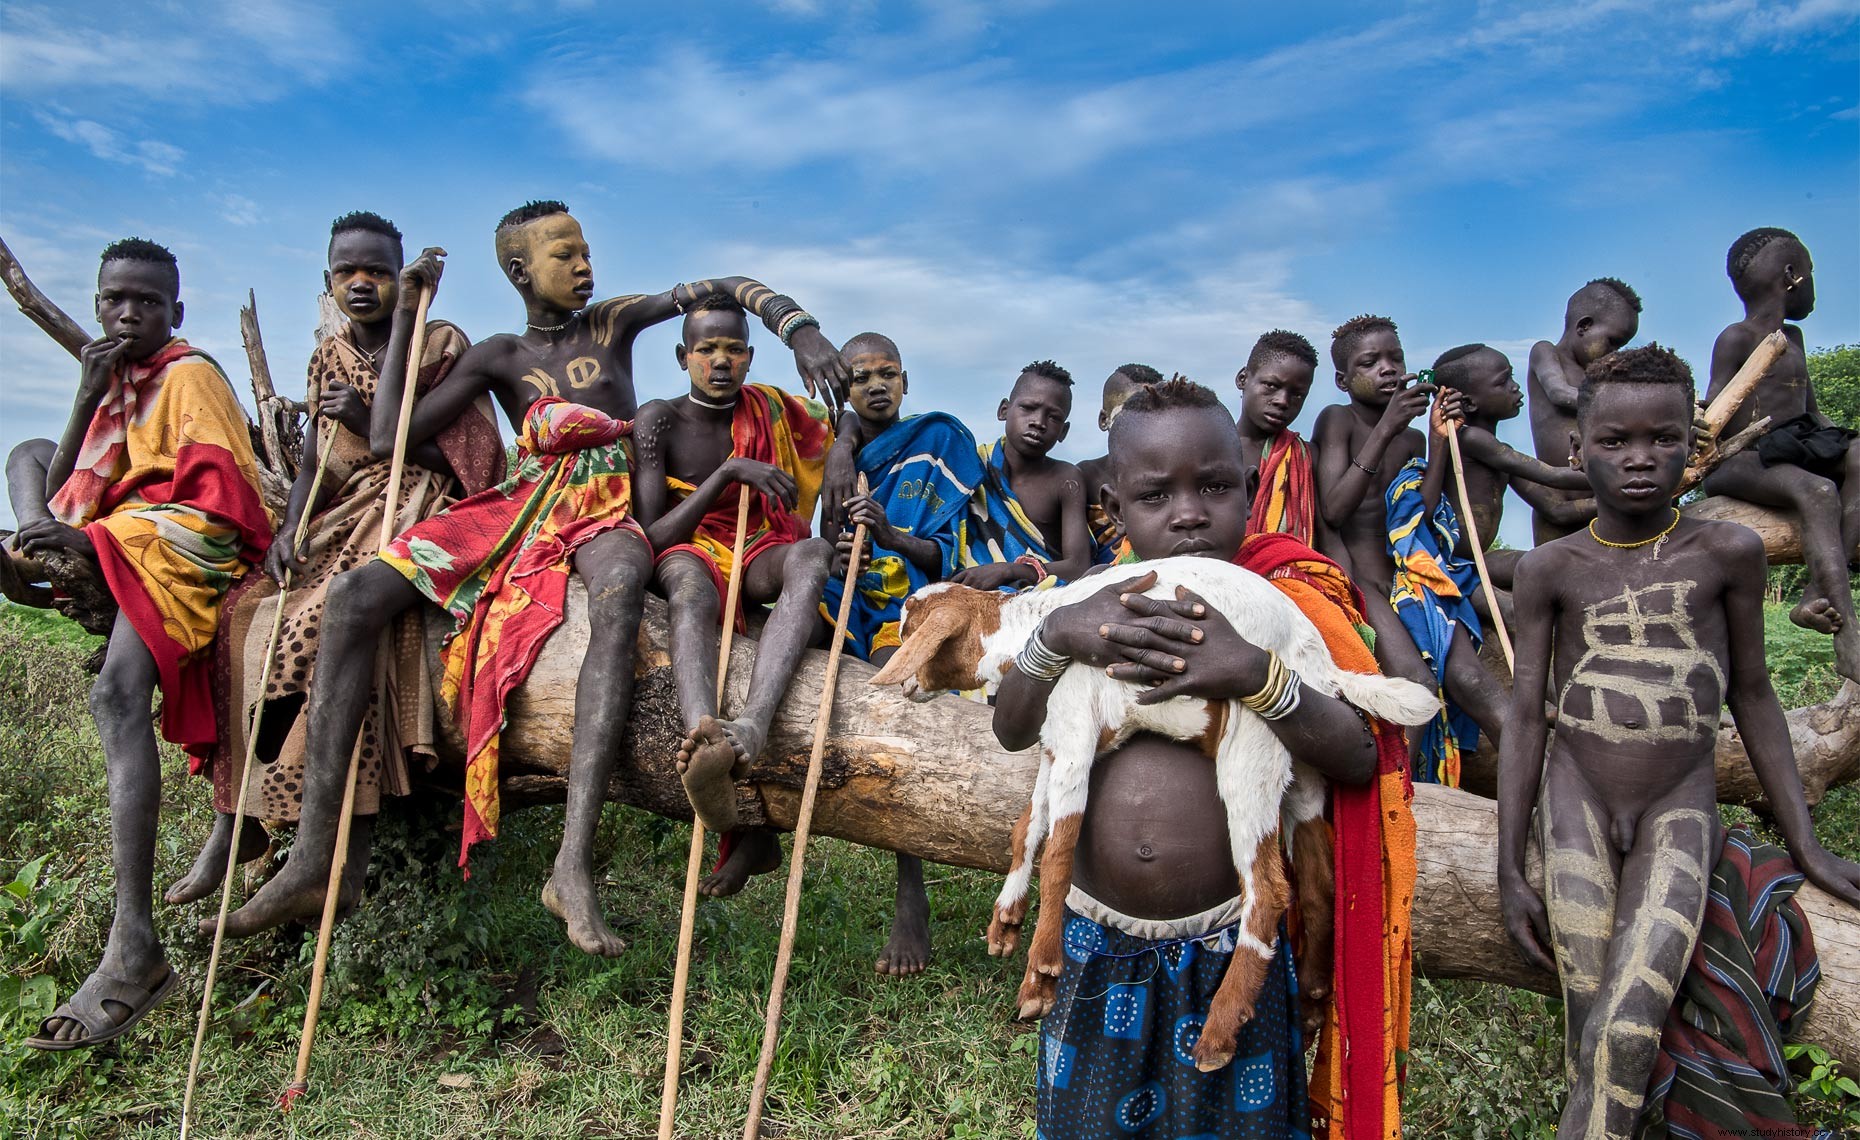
(942, 630)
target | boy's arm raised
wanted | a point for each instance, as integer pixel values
(433, 412)
(1548, 372)
(1760, 721)
(100, 359)
(1481, 446)
(1521, 757)
(1567, 513)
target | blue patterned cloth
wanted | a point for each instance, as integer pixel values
(1115, 1050)
(922, 470)
(998, 529)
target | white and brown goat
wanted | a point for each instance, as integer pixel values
(960, 638)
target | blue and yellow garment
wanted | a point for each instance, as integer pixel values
(998, 529)
(923, 471)
(1432, 593)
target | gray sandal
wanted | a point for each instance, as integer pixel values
(86, 1008)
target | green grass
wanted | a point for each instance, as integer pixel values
(457, 1009)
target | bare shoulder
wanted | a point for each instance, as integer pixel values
(1739, 337)
(1543, 356)
(653, 414)
(1733, 545)
(1541, 567)
(1333, 420)
(492, 351)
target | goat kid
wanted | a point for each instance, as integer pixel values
(960, 638)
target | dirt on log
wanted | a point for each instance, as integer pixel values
(930, 780)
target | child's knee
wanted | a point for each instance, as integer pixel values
(121, 693)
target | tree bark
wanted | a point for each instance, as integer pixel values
(929, 779)
(1781, 535)
(39, 308)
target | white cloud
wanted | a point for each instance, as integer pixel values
(155, 157)
(238, 209)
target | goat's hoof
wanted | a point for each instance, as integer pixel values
(1208, 1058)
(1212, 1064)
(1037, 995)
(1003, 937)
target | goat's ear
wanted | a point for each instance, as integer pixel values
(919, 647)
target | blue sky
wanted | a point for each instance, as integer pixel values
(988, 183)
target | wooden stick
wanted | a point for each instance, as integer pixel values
(339, 859)
(326, 437)
(694, 861)
(1478, 547)
(797, 859)
(1725, 404)
(38, 307)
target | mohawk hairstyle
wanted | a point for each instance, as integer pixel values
(141, 249)
(1282, 342)
(364, 220)
(1621, 289)
(1343, 339)
(1140, 373)
(1050, 370)
(1649, 364)
(1450, 366)
(1172, 394)
(1745, 249)
(530, 211)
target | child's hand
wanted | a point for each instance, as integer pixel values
(49, 534)
(282, 559)
(1183, 648)
(344, 404)
(1525, 919)
(840, 482)
(842, 553)
(423, 272)
(820, 365)
(865, 509)
(1078, 630)
(1411, 401)
(100, 359)
(767, 478)
(1448, 412)
(994, 575)
(1839, 877)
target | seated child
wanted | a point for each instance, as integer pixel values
(499, 562)
(365, 260)
(1600, 317)
(1804, 462)
(1027, 520)
(697, 454)
(155, 482)
(1360, 446)
(1149, 927)
(921, 471)
(1117, 388)
(1273, 386)
(1645, 626)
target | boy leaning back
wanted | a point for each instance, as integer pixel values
(1645, 625)
(1150, 917)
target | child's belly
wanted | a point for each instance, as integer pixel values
(1154, 843)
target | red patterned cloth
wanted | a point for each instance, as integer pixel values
(1286, 501)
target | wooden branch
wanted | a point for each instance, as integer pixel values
(930, 780)
(38, 307)
(1780, 531)
(1725, 404)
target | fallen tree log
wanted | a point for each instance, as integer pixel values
(930, 780)
(1779, 530)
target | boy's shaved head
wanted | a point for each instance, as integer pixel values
(1137, 373)
(1611, 290)
(1649, 364)
(1745, 249)
(1450, 366)
(1177, 393)
(143, 250)
(870, 344)
(1343, 339)
(1282, 342)
(365, 221)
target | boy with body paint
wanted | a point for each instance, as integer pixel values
(567, 506)
(1804, 462)
(1273, 386)
(921, 471)
(1027, 520)
(1599, 318)
(365, 260)
(1645, 625)
(154, 486)
(1117, 388)
(698, 453)
(1151, 919)
(1361, 445)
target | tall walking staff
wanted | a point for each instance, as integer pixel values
(325, 437)
(694, 862)
(1478, 548)
(339, 859)
(797, 860)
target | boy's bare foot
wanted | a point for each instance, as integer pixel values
(908, 952)
(571, 898)
(210, 865)
(1817, 614)
(705, 761)
(296, 893)
(754, 851)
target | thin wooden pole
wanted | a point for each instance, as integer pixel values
(1478, 547)
(797, 859)
(694, 860)
(325, 438)
(339, 859)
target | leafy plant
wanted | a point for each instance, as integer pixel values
(1825, 1095)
